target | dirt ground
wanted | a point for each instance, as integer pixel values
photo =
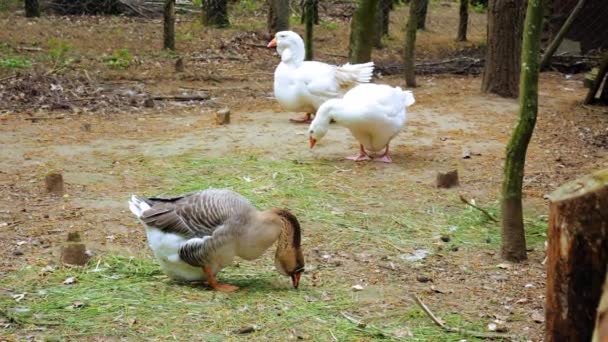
(102, 154)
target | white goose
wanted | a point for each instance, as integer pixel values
(374, 113)
(196, 235)
(304, 85)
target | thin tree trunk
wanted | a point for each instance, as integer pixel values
(278, 16)
(503, 51)
(513, 235)
(409, 54)
(423, 7)
(32, 8)
(561, 34)
(215, 13)
(169, 25)
(362, 32)
(576, 257)
(463, 21)
(309, 14)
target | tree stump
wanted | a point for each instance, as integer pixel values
(577, 257)
(54, 183)
(447, 180)
(222, 116)
(74, 251)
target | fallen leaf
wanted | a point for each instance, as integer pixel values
(69, 281)
(75, 305)
(357, 287)
(504, 266)
(538, 317)
(19, 297)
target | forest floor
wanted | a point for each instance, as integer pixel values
(383, 228)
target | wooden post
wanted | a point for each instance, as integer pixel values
(577, 256)
(560, 35)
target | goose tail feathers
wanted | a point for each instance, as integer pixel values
(355, 73)
(138, 205)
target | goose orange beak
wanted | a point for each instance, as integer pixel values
(312, 141)
(295, 279)
(273, 43)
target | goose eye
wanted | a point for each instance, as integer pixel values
(312, 131)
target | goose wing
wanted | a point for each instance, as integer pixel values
(196, 214)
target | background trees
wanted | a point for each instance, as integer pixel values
(215, 13)
(503, 51)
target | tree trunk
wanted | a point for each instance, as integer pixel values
(600, 333)
(382, 21)
(423, 6)
(503, 51)
(576, 257)
(278, 16)
(601, 74)
(309, 14)
(561, 34)
(169, 25)
(32, 8)
(409, 54)
(463, 21)
(362, 32)
(513, 235)
(215, 13)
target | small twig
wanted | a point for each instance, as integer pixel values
(182, 97)
(488, 215)
(353, 320)
(36, 118)
(458, 330)
(28, 48)
(7, 78)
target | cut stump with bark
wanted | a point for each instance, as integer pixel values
(577, 256)
(54, 183)
(447, 180)
(600, 333)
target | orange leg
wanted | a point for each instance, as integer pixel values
(214, 284)
(306, 119)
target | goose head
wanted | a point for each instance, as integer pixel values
(320, 125)
(289, 259)
(289, 45)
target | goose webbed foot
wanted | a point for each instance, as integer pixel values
(385, 157)
(214, 284)
(306, 119)
(361, 156)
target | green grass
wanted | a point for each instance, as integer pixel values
(15, 62)
(139, 302)
(136, 300)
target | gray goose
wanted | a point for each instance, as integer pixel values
(195, 235)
